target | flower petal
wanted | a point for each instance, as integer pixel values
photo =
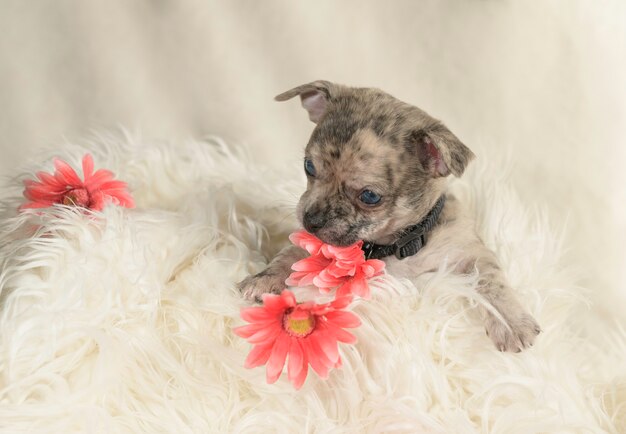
(325, 280)
(312, 263)
(100, 177)
(344, 290)
(49, 179)
(288, 298)
(247, 330)
(316, 358)
(328, 344)
(296, 360)
(87, 167)
(43, 188)
(113, 184)
(295, 278)
(342, 335)
(306, 241)
(276, 361)
(341, 269)
(66, 174)
(341, 302)
(269, 333)
(274, 303)
(360, 287)
(256, 314)
(258, 355)
(372, 267)
(300, 278)
(343, 319)
(298, 381)
(42, 193)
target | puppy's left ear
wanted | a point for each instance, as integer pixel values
(440, 151)
(314, 96)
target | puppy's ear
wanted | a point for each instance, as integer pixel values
(440, 151)
(315, 97)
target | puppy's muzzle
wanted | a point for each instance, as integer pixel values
(313, 221)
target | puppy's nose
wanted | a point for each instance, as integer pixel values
(313, 221)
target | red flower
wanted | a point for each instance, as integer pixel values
(307, 332)
(65, 187)
(331, 267)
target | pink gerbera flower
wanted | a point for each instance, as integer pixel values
(65, 187)
(329, 267)
(306, 332)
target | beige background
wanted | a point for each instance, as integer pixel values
(542, 83)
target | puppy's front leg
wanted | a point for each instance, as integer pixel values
(272, 279)
(519, 328)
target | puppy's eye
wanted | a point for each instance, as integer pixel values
(369, 197)
(309, 168)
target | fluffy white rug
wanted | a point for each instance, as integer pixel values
(123, 322)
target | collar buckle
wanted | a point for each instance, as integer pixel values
(409, 245)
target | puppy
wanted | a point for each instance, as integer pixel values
(376, 170)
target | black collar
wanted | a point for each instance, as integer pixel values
(411, 239)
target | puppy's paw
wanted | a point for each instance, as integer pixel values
(253, 287)
(520, 333)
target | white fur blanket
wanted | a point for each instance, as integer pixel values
(122, 322)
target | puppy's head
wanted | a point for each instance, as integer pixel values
(374, 164)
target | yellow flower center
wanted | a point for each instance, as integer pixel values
(298, 323)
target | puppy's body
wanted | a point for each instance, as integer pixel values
(375, 167)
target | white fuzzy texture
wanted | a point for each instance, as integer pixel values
(122, 322)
